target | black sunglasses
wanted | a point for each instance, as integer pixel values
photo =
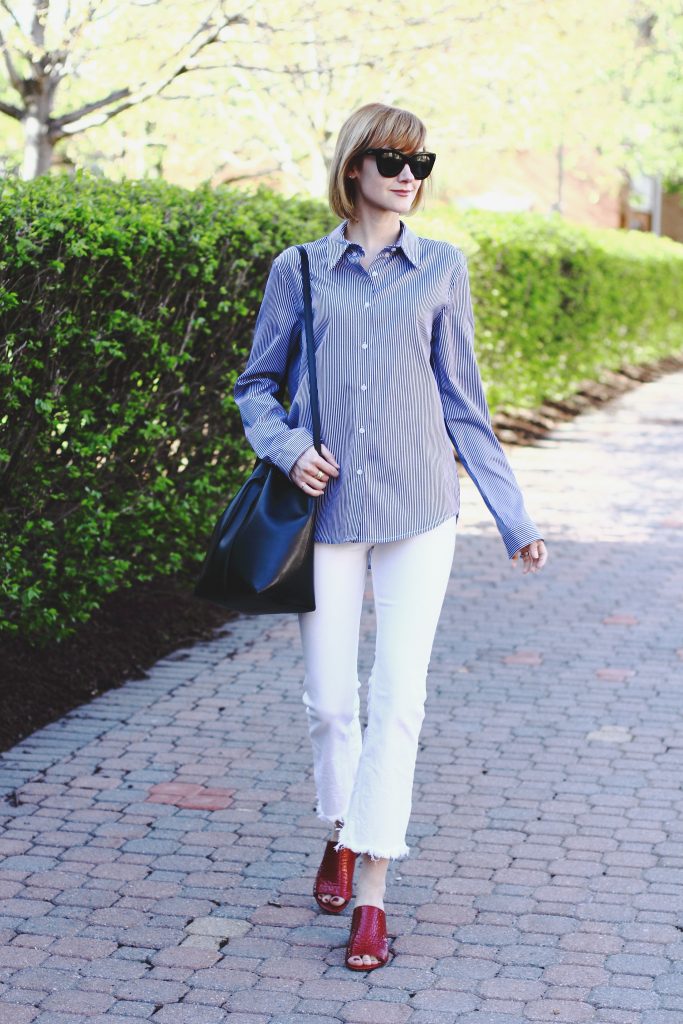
(391, 162)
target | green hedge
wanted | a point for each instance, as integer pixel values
(126, 313)
(557, 303)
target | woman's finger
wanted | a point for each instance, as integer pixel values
(313, 471)
(327, 467)
(538, 555)
(317, 481)
(328, 454)
(313, 491)
(533, 556)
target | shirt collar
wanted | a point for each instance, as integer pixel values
(337, 244)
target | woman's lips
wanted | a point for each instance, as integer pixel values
(401, 191)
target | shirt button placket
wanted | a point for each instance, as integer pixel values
(367, 305)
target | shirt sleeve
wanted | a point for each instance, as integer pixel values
(263, 416)
(467, 417)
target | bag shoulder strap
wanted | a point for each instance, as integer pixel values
(308, 328)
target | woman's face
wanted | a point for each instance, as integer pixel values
(395, 194)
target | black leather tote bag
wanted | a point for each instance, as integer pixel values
(260, 556)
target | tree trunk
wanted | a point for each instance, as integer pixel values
(38, 144)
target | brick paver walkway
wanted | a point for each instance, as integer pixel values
(159, 845)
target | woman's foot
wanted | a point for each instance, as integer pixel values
(371, 888)
(336, 901)
(335, 873)
(368, 945)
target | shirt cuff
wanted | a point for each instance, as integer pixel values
(519, 535)
(297, 440)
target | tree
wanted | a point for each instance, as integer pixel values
(272, 81)
(56, 42)
(653, 90)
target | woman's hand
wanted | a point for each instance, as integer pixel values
(312, 471)
(534, 556)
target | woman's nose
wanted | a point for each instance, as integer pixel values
(406, 174)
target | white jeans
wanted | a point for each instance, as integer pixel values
(367, 781)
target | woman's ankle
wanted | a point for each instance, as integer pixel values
(371, 881)
(371, 893)
(334, 831)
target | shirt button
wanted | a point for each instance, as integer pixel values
(363, 387)
(367, 304)
(374, 273)
(359, 471)
(365, 344)
(361, 430)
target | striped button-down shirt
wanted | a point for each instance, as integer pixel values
(398, 385)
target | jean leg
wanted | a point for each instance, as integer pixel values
(409, 577)
(330, 636)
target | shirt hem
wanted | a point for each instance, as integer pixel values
(388, 540)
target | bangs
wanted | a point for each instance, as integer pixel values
(400, 130)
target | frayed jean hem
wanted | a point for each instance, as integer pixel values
(397, 852)
(327, 818)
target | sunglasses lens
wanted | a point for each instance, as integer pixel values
(389, 164)
(421, 164)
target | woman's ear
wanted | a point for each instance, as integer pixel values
(353, 170)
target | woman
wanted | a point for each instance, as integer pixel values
(398, 385)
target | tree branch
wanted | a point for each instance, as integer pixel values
(7, 108)
(40, 8)
(81, 119)
(88, 108)
(11, 70)
(74, 30)
(6, 7)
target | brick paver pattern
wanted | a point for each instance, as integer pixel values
(158, 846)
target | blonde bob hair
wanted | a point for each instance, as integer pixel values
(373, 125)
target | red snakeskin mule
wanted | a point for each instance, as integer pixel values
(335, 877)
(368, 935)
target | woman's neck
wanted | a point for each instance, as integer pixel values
(374, 232)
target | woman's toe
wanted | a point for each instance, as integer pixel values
(366, 960)
(334, 900)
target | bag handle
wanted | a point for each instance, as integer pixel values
(308, 328)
